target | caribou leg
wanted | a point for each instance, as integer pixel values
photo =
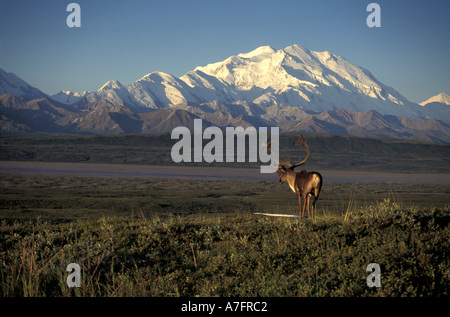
(300, 211)
(307, 204)
(315, 201)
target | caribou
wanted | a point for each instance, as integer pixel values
(304, 184)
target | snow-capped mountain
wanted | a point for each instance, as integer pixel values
(265, 77)
(69, 97)
(10, 83)
(156, 90)
(440, 98)
(436, 107)
(294, 76)
(293, 88)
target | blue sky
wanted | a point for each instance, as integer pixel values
(125, 40)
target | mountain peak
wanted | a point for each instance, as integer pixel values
(12, 84)
(295, 48)
(158, 76)
(111, 84)
(441, 98)
(68, 97)
(262, 50)
(294, 76)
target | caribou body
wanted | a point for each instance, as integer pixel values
(304, 184)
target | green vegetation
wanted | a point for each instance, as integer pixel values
(154, 237)
(193, 237)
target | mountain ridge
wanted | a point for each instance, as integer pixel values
(11, 83)
(45, 116)
(293, 76)
(293, 88)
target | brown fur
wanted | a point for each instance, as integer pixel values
(304, 184)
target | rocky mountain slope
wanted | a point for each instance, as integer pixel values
(293, 88)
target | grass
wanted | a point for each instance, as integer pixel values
(67, 198)
(328, 152)
(239, 255)
(141, 237)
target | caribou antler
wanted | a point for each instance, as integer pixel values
(304, 184)
(280, 164)
(303, 143)
(286, 161)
